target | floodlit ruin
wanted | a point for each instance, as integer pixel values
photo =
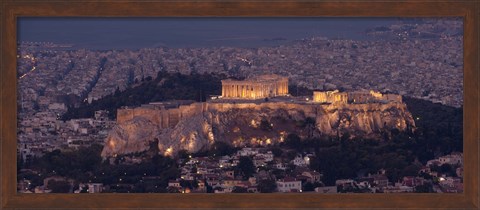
(193, 126)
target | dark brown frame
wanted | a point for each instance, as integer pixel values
(11, 9)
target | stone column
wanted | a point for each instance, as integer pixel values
(245, 91)
(252, 91)
(245, 88)
(226, 91)
(263, 91)
(240, 91)
(277, 89)
(236, 91)
(266, 90)
(259, 90)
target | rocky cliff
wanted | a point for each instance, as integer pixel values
(253, 124)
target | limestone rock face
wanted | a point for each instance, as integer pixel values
(191, 134)
(364, 119)
(129, 137)
(242, 124)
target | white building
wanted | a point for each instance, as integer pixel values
(289, 184)
(452, 159)
(95, 187)
(247, 151)
(281, 166)
(299, 161)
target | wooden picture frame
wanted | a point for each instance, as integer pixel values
(11, 10)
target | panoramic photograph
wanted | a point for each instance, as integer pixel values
(240, 105)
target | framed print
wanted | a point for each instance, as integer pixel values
(229, 104)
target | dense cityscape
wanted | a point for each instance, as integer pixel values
(421, 60)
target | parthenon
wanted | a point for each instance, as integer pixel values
(264, 86)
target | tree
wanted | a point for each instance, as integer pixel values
(291, 155)
(308, 187)
(267, 186)
(426, 188)
(246, 167)
(393, 174)
(194, 170)
(448, 170)
(265, 125)
(182, 154)
(277, 152)
(293, 141)
(310, 125)
(117, 91)
(84, 190)
(173, 190)
(239, 190)
(411, 170)
(153, 147)
(191, 184)
(209, 188)
(59, 186)
(19, 162)
(221, 149)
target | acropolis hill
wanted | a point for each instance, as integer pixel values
(236, 115)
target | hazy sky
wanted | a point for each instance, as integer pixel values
(117, 33)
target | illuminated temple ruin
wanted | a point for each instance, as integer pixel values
(264, 86)
(330, 97)
(355, 97)
(191, 126)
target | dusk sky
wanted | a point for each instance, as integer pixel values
(118, 33)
